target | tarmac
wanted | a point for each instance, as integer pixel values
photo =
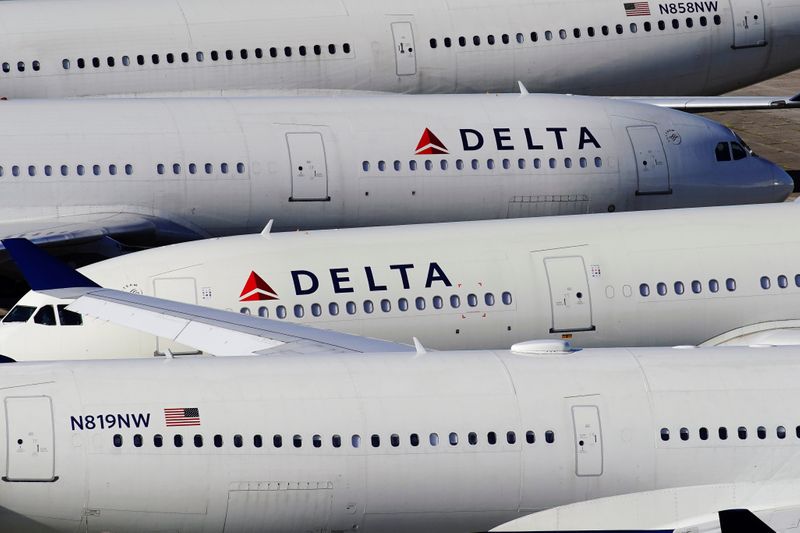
(774, 135)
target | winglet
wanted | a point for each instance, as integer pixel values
(522, 89)
(41, 270)
(741, 521)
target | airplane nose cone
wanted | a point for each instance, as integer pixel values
(783, 184)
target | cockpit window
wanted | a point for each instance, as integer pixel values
(722, 152)
(45, 316)
(745, 145)
(19, 313)
(738, 151)
(67, 317)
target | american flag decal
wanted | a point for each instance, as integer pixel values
(182, 416)
(637, 9)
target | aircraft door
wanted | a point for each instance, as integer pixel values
(404, 49)
(569, 294)
(651, 160)
(309, 167)
(179, 290)
(749, 29)
(588, 440)
(29, 428)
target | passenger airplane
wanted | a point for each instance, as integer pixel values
(603, 47)
(658, 278)
(160, 170)
(323, 435)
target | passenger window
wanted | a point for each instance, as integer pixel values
(48, 170)
(412, 165)
(346, 48)
(297, 441)
(761, 432)
(549, 437)
(490, 164)
(170, 58)
(661, 288)
(331, 49)
(414, 439)
(67, 317)
(619, 29)
(218, 441)
(730, 284)
(117, 441)
(369, 307)
(530, 437)
(713, 285)
(386, 306)
(506, 297)
(32, 171)
(160, 168)
(780, 432)
(648, 26)
(576, 33)
(158, 441)
(198, 441)
(200, 57)
(644, 290)
(722, 152)
(537, 163)
(472, 300)
(534, 37)
(95, 62)
(64, 170)
(443, 164)
(697, 287)
(742, 431)
(223, 168)
(511, 437)
(438, 302)
(420, 303)
(676, 24)
(428, 164)
(491, 438)
(678, 287)
(661, 25)
(184, 57)
(280, 311)
(505, 39)
(472, 438)
(684, 433)
(81, 64)
(263, 312)
(128, 169)
(96, 170)
(633, 27)
(258, 442)
(112, 169)
(548, 35)
(689, 22)
(394, 440)
(298, 311)
(433, 43)
(738, 151)
(176, 168)
(783, 282)
(476, 164)
(723, 433)
(336, 441)
(604, 30)
(177, 440)
(46, 316)
(448, 42)
(703, 21)
(351, 308)
(598, 162)
(355, 440)
(703, 433)
(590, 31)
(664, 434)
(455, 301)
(277, 441)
(433, 438)
(316, 441)
(521, 163)
(402, 304)
(333, 308)
(797, 280)
(397, 166)
(488, 299)
(765, 282)
(551, 162)
(490, 39)
(316, 309)
(65, 64)
(155, 59)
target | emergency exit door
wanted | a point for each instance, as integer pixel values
(309, 167)
(29, 427)
(570, 300)
(588, 440)
(749, 29)
(651, 160)
(404, 50)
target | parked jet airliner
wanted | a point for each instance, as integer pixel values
(603, 47)
(159, 170)
(324, 435)
(657, 277)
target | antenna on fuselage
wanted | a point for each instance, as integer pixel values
(419, 347)
(267, 229)
(523, 91)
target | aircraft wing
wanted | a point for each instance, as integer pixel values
(78, 228)
(704, 104)
(221, 333)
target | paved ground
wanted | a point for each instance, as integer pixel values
(772, 134)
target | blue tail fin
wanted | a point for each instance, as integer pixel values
(41, 270)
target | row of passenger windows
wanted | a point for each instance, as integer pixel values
(8, 67)
(662, 289)
(354, 441)
(114, 169)
(194, 168)
(475, 164)
(385, 305)
(722, 433)
(563, 34)
(214, 55)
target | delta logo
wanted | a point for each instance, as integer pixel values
(429, 144)
(257, 290)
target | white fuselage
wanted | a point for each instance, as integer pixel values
(90, 47)
(657, 278)
(226, 166)
(442, 442)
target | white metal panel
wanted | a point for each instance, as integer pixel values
(279, 506)
(569, 294)
(651, 160)
(748, 23)
(588, 440)
(177, 290)
(309, 166)
(29, 426)
(404, 50)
